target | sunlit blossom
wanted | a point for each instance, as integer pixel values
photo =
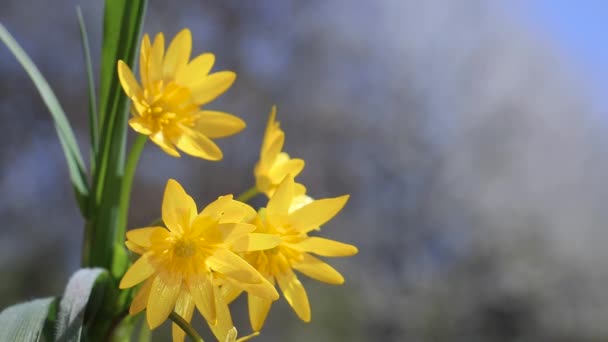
(166, 103)
(178, 264)
(295, 252)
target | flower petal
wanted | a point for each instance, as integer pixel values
(196, 70)
(179, 209)
(185, 308)
(196, 144)
(163, 296)
(227, 232)
(315, 214)
(166, 145)
(212, 86)
(144, 58)
(140, 301)
(324, 247)
(135, 248)
(201, 289)
(279, 203)
(138, 272)
(155, 64)
(231, 265)
(140, 126)
(258, 311)
(224, 319)
(294, 293)
(255, 242)
(215, 124)
(318, 270)
(225, 209)
(293, 166)
(178, 54)
(128, 82)
(143, 236)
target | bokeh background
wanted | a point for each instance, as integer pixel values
(470, 134)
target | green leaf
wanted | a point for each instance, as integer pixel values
(24, 322)
(122, 26)
(93, 119)
(74, 303)
(62, 125)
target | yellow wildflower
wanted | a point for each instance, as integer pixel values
(166, 107)
(294, 252)
(274, 164)
(180, 262)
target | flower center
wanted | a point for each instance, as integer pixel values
(170, 105)
(184, 248)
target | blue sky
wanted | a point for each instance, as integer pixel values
(580, 31)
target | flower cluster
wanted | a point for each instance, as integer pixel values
(205, 259)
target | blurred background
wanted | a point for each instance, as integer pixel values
(470, 134)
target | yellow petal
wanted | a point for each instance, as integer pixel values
(224, 319)
(227, 232)
(279, 203)
(144, 58)
(258, 311)
(273, 143)
(230, 292)
(299, 201)
(279, 171)
(155, 64)
(135, 248)
(201, 290)
(212, 86)
(143, 236)
(141, 298)
(196, 70)
(185, 308)
(294, 293)
(197, 145)
(162, 299)
(225, 209)
(179, 209)
(255, 242)
(315, 214)
(325, 247)
(138, 272)
(178, 54)
(233, 266)
(215, 124)
(318, 270)
(166, 145)
(248, 337)
(128, 82)
(140, 126)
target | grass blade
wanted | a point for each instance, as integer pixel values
(93, 117)
(62, 125)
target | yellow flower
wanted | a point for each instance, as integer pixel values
(179, 263)
(274, 165)
(166, 107)
(294, 252)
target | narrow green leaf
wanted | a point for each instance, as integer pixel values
(24, 322)
(93, 118)
(62, 125)
(122, 26)
(74, 302)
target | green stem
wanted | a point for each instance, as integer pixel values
(186, 327)
(248, 194)
(127, 183)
